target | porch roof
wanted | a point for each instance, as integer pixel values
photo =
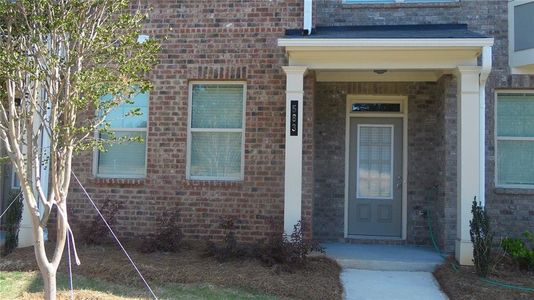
(424, 31)
(438, 47)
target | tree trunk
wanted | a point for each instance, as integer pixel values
(49, 280)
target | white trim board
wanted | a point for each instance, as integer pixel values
(403, 100)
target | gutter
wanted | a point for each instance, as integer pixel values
(484, 73)
(308, 16)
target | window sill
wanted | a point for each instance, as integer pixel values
(212, 183)
(118, 181)
(402, 5)
(513, 191)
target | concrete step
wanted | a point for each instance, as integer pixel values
(383, 257)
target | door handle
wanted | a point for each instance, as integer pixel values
(399, 182)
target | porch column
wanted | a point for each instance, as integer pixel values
(469, 177)
(293, 147)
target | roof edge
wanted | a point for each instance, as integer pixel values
(387, 43)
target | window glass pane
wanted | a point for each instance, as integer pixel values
(216, 154)
(15, 179)
(376, 107)
(515, 162)
(119, 118)
(515, 115)
(374, 162)
(123, 159)
(217, 106)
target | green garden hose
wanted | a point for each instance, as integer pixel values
(456, 268)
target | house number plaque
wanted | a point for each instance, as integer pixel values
(294, 118)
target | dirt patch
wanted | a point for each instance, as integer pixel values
(319, 279)
(465, 284)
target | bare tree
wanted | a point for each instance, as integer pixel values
(58, 58)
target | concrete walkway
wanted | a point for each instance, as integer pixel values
(386, 272)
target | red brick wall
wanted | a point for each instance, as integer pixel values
(209, 40)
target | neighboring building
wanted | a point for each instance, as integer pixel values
(365, 129)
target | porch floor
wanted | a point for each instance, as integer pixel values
(383, 257)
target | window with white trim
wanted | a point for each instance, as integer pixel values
(216, 131)
(515, 140)
(126, 159)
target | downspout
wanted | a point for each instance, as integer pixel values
(484, 73)
(308, 16)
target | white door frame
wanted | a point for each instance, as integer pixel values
(403, 101)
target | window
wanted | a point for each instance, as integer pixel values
(15, 182)
(520, 37)
(515, 140)
(128, 159)
(395, 1)
(216, 131)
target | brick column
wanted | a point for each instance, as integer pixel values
(468, 164)
(293, 147)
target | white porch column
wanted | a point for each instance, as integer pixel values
(469, 177)
(293, 155)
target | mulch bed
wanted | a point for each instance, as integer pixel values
(465, 284)
(319, 279)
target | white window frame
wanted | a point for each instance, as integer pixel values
(505, 138)
(220, 130)
(96, 153)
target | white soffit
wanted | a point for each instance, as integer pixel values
(372, 76)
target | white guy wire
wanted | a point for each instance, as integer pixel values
(69, 237)
(10, 205)
(115, 236)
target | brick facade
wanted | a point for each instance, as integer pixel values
(208, 40)
(237, 40)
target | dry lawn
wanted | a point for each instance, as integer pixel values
(319, 279)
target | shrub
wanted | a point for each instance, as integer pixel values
(519, 251)
(230, 248)
(287, 251)
(12, 220)
(97, 233)
(482, 238)
(168, 237)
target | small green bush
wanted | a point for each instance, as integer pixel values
(12, 219)
(519, 251)
(482, 238)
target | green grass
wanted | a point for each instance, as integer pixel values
(13, 284)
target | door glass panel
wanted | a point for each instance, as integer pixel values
(375, 162)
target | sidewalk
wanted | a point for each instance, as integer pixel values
(386, 272)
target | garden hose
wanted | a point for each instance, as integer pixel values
(456, 268)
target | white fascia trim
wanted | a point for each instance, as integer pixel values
(370, 43)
